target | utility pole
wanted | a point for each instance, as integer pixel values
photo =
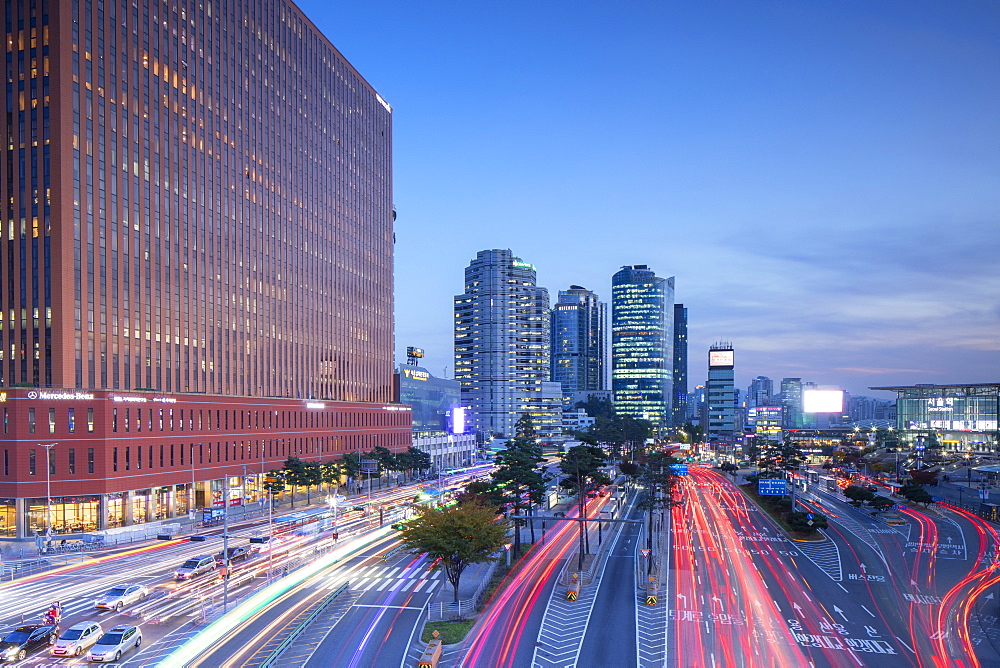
(225, 543)
(48, 487)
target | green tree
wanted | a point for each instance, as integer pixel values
(881, 504)
(915, 493)
(597, 407)
(519, 479)
(455, 537)
(295, 474)
(858, 494)
(524, 427)
(313, 473)
(419, 460)
(274, 483)
(582, 464)
(658, 477)
(332, 474)
(480, 491)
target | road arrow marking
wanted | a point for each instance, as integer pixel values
(797, 607)
(716, 599)
(914, 583)
(863, 568)
(685, 599)
(989, 597)
(840, 612)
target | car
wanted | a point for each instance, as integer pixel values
(114, 643)
(77, 639)
(195, 566)
(236, 554)
(120, 597)
(24, 640)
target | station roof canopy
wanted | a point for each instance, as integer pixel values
(972, 388)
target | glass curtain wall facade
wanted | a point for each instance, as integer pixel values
(502, 347)
(680, 378)
(198, 198)
(791, 401)
(642, 335)
(959, 417)
(579, 341)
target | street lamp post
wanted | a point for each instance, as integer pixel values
(48, 486)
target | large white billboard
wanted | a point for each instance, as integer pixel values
(822, 401)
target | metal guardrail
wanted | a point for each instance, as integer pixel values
(437, 612)
(297, 631)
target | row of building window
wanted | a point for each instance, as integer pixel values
(165, 419)
(33, 462)
(127, 457)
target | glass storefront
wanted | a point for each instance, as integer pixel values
(116, 509)
(70, 514)
(161, 502)
(8, 513)
(182, 499)
(140, 506)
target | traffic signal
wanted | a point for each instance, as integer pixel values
(336, 535)
(399, 526)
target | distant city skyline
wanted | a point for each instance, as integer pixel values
(821, 178)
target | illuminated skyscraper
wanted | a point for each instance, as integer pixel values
(680, 378)
(502, 347)
(579, 341)
(791, 400)
(642, 336)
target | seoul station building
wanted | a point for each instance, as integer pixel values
(196, 272)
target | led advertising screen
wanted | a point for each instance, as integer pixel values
(458, 420)
(720, 358)
(823, 401)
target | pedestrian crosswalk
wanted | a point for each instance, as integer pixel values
(376, 579)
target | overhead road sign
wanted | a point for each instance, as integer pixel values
(766, 487)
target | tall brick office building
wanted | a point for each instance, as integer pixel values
(196, 270)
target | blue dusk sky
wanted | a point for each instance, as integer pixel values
(822, 178)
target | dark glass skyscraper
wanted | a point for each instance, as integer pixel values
(680, 365)
(579, 341)
(642, 334)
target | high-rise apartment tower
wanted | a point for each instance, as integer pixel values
(502, 347)
(642, 336)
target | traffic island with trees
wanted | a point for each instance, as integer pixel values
(776, 459)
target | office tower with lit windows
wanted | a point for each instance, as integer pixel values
(720, 391)
(760, 391)
(502, 347)
(680, 377)
(198, 262)
(791, 401)
(642, 337)
(579, 341)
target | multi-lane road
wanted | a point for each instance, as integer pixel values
(734, 591)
